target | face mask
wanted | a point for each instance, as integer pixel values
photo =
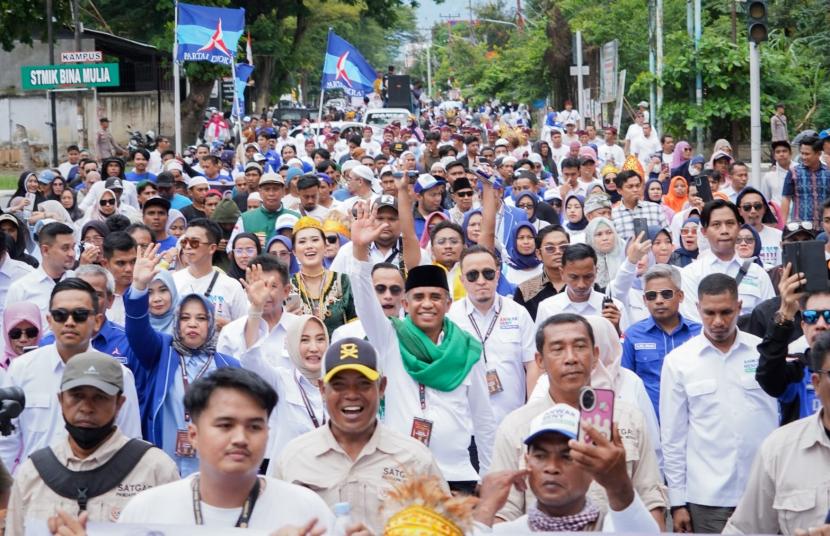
(694, 170)
(88, 438)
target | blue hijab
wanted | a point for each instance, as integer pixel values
(209, 346)
(466, 222)
(164, 323)
(518, 260)
(293, 266)
(533, 197)
(756, 252)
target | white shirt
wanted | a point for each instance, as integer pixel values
(517, 276)
(608, 153)
(372, 147)
(349, 329)
(35, 287)
(511, 344)
(645, 147)
(232, 339)
(154, 165)
(279, 504)
(116, 312)
(770, 246)
(39, 373)
(227, 295)
(456, 415)
(714, 416)
(561, 303)
(128, 197)
(772, 184)
(754, 288)
(344, 259)
(347, 205)
(634, 131)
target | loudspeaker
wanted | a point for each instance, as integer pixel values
(398, 94)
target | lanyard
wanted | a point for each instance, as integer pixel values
(422, 394)
(489, 329)
(307, 404)
(247, 507)
(185, 382)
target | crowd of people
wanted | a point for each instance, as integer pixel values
(395, 332)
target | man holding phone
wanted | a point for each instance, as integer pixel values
(630, 186)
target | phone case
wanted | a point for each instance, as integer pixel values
(641, 226)
(803, 256)
(601, 416)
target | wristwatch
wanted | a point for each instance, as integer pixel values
(781, 321)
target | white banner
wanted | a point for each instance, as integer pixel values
(619, 107)
(608, 64)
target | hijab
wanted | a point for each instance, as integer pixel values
(677, 157)
(606, 373)
(430, 220)
(55, 211)
(292, 345)
(99, 227)
(607, 263)
(21, 190)
(646, 197)
(235, 271)
(756, 252)
(172, 217)
(533, 197)
(548, 162)
(164, 323)
(607, 169)
(674, 201)
(681, 250)
(74, 212)
(209, 346)
(581, 224)
(293, 266)
(94, 211)
(518, 260)
(466, 223)
(14, 315)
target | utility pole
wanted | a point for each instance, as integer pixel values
(579, 79)
(470, 9)
(658, 106)
(83, 139)
(698, 76)
(50, 36)
(652, 62)
(755, 111)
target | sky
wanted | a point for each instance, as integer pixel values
(429, 12)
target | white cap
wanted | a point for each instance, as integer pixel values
(254, 196)
(386, 169)
(170, 165)
(501, 142)
(437, 165)
(364, 172)
(286, 221)
(349, 165)
(560, 418)
(536, 158)
(296, 162)
(446, 160)
(198, 180)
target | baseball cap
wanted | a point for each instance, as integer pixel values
(587, 154)
(349, 165)
(597, 202)
(426, 182)
(285, 221)
(350, 353)
(93, 369)
(253, 165)
(156, 201)
(10, 218)
(114, 183)
(501, 142)
(798, 227)
(198, 180)
(398, 147)
(271, 178)
(46, 176)
(170, 165)
(386, 201)
(559, 419)
(364, 172)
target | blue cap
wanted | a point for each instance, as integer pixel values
(291, 173)
(46, 176)
(824, 134)
(426, 182)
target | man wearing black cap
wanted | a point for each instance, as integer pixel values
(437, 387)
(462, 196)
(354, 456)
(155, 213)
(165, 183)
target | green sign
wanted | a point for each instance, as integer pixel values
(41, 77)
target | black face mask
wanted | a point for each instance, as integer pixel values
(89, 438)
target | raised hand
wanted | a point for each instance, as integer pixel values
(638, 248)
(146, 266)
(256, 286)
(366, 229)
(788, 289)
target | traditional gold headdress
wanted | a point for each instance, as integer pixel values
(633, 164)
(422, 507)
(307, 222)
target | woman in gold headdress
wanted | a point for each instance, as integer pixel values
(323, 293)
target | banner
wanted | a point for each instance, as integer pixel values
(609, 61)
(345, 68)
(240, 80)
(208, 33)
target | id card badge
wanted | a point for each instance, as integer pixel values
(494, 382)
(183, 447)
(421, 430)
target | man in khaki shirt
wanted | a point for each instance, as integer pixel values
(788, 486)
(354, 458)
(90, 397)
(566, 351)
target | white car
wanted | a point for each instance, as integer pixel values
(381, 117)
(347, 128)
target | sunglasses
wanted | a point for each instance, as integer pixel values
(810, 316)
(16, 333)
(62, 315)
(105, 202)
(464, 194)
(686, 231)
(394, 290)
(749, 206)
(332, 239)
(666, 294)
(796, 225)
(745, 240)
(526, 206)
(550, 250)
(488, 273)
(194, 243)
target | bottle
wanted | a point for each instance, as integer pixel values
(343, 518)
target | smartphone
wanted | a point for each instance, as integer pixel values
(27, 349)
(596, 406)
(704, 189)
(31, 198)
(664, 167)
(482, 160)
(292, 301)
(641, 226)
(803, 257)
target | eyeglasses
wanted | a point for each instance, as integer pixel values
(62, 315)
(488, 273)
(691, 230)
(450, 241)
(244, 251)
(332, 239)
(687, 149)
(810, 316)
(745, 240)
(105, 202)
(526, 206)
(394, 290)
(796, 225)
(666, 294)
(464, 194)
(749, 206)
(194, 243)
(550, 250)
(609, 180)
(16, 333)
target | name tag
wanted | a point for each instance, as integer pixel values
(508, 322)
(750, 281)
(645, 345)
(750, 365)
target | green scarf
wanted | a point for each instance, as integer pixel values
(441, 367)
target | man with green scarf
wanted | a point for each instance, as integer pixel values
(262, 221)
(436, 387)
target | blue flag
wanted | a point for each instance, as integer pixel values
(240, 80)
(208, 33)
(345, 68)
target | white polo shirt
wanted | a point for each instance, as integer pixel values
(561, 303)
(509, 344)
(36, 287)
(227, 295)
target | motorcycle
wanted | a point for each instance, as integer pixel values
(138, 141)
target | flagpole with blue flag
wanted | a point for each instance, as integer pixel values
(177, 105)
(322, 93)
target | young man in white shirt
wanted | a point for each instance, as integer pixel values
(714, 413)
(503, 327)
(609, 152)
(772, 184)
(230, 409)
(199, 243)
(558, 150)
(57, 249)
(74, 318)
(387, 280)
(645, 145)
(579, 270)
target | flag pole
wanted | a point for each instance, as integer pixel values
(177, 106)
(322, 91)
(237, 123)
